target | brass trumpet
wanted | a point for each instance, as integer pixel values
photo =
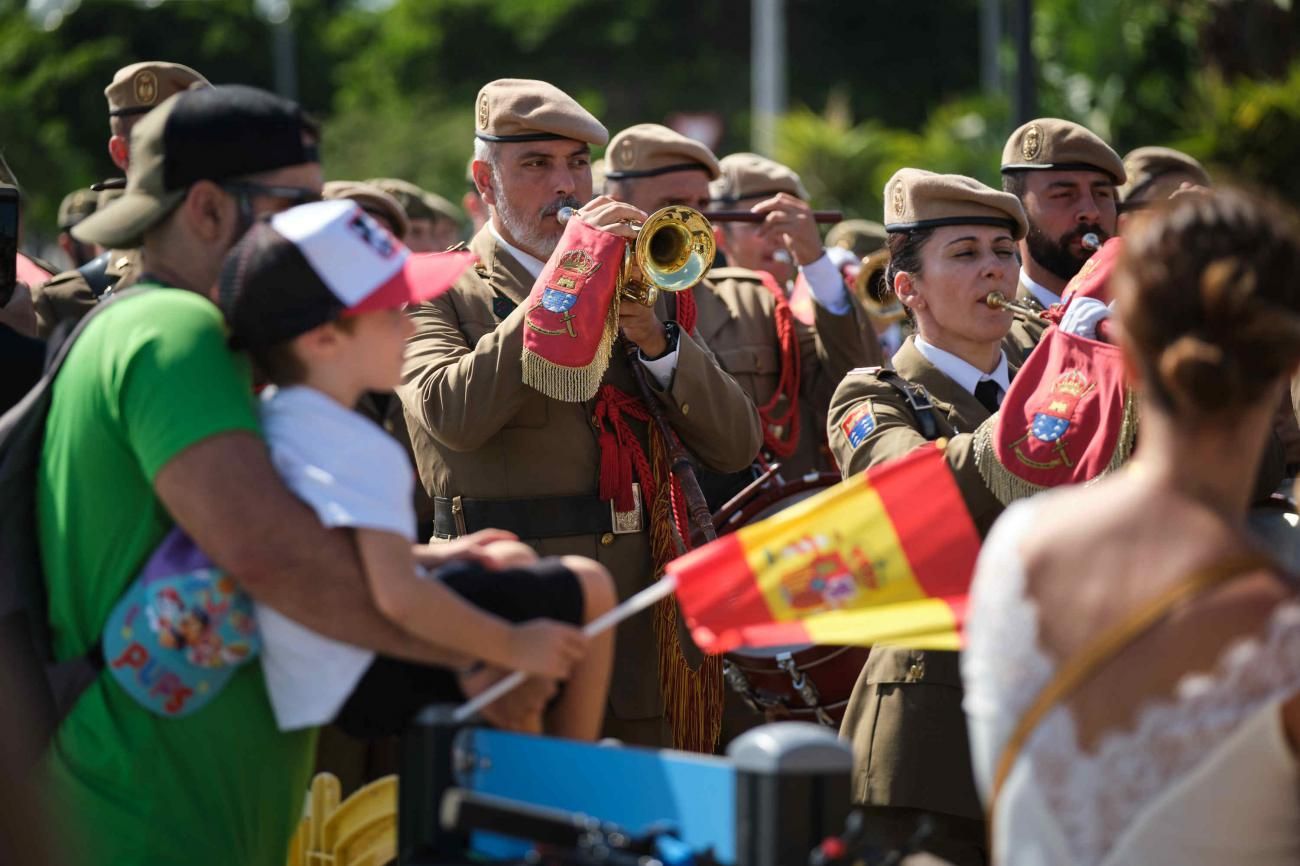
(674, 249)
(881, 304)
(999, 301)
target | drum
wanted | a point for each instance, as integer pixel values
(804, 682)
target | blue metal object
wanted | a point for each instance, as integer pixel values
(634, 788)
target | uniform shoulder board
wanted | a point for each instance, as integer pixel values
(865, 371)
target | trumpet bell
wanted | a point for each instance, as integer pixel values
(881, 304)
(675, 248)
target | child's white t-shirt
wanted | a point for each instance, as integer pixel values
(352, 474)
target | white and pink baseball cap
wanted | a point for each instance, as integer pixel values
(318, 262)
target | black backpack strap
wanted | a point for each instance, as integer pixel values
(95, 273)
(52, 687)
(917, 397)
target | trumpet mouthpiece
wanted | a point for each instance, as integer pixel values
(996, 300)
(564, 214)
(1090, 241)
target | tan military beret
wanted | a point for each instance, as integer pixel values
(372, 199)
(917, 199)
(649, 150)
(1051, 143)
(1147, 165)
(419, 204)
(107, 196)
(860, 236)
(748, 175)
(76, 206)
(139, 87)
(520, 109)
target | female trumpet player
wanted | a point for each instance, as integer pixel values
(952, 242)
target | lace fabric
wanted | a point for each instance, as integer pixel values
(1096, 796)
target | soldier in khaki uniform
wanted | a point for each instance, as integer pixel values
(764, 259)
(434, 221)
(651, 166)
(1156, 173)
(1066, 179)
(373, 201)
(495, 452)
(76, 206)
(134, 91)
(953, 240)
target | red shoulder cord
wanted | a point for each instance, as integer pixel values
(692, 698)
(787, 386)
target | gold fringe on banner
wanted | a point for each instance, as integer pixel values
(692, 697)
(573, 384)
(1008, 487)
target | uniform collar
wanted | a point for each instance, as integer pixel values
(1040, 293)
(531, 264)
(963, 373)
(503, 272)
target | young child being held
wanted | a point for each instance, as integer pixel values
(316, 297)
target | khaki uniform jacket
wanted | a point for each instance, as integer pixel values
(737, 322)
(904, 718)
(66, 297)
(1024, 334)
(896, 430)
(478, 431)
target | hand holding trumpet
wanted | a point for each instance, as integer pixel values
(638, 322)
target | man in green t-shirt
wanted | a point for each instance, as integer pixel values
(152, 425)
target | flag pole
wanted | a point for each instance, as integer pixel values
(660, 589)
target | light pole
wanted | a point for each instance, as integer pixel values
(767, 73)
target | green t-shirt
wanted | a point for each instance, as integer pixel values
(147, 379)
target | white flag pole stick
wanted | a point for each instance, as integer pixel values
(637, 603)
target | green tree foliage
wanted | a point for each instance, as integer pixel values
(1249, 131)
(875, 84)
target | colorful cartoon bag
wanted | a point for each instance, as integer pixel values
(180, 632)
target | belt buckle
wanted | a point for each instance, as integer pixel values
(627, 522)
(458, 516)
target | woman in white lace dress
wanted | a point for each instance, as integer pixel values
(1179, 745)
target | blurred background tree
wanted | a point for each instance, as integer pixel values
(873, 85)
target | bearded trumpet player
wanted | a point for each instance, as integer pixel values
(494, 451)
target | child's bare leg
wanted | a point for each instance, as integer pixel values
(580, 713)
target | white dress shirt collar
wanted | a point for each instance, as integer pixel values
(1042, 294)
(962, 372)
(531, 264)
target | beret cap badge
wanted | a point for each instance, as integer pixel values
(1033, 143)
(899, 204)
(146, 87)
(482, 111)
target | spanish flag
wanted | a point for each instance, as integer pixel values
(883, 557)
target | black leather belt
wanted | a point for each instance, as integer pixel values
(541, 517)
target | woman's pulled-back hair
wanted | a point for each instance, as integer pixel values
(904, 257)
(1209, 297)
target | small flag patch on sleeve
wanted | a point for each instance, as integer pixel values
(859, 424)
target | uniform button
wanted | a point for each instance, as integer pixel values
(686, 408)
(916, 672)
(607, 539)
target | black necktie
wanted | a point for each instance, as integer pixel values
(988, 392)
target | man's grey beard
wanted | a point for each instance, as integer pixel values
(536, 234)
